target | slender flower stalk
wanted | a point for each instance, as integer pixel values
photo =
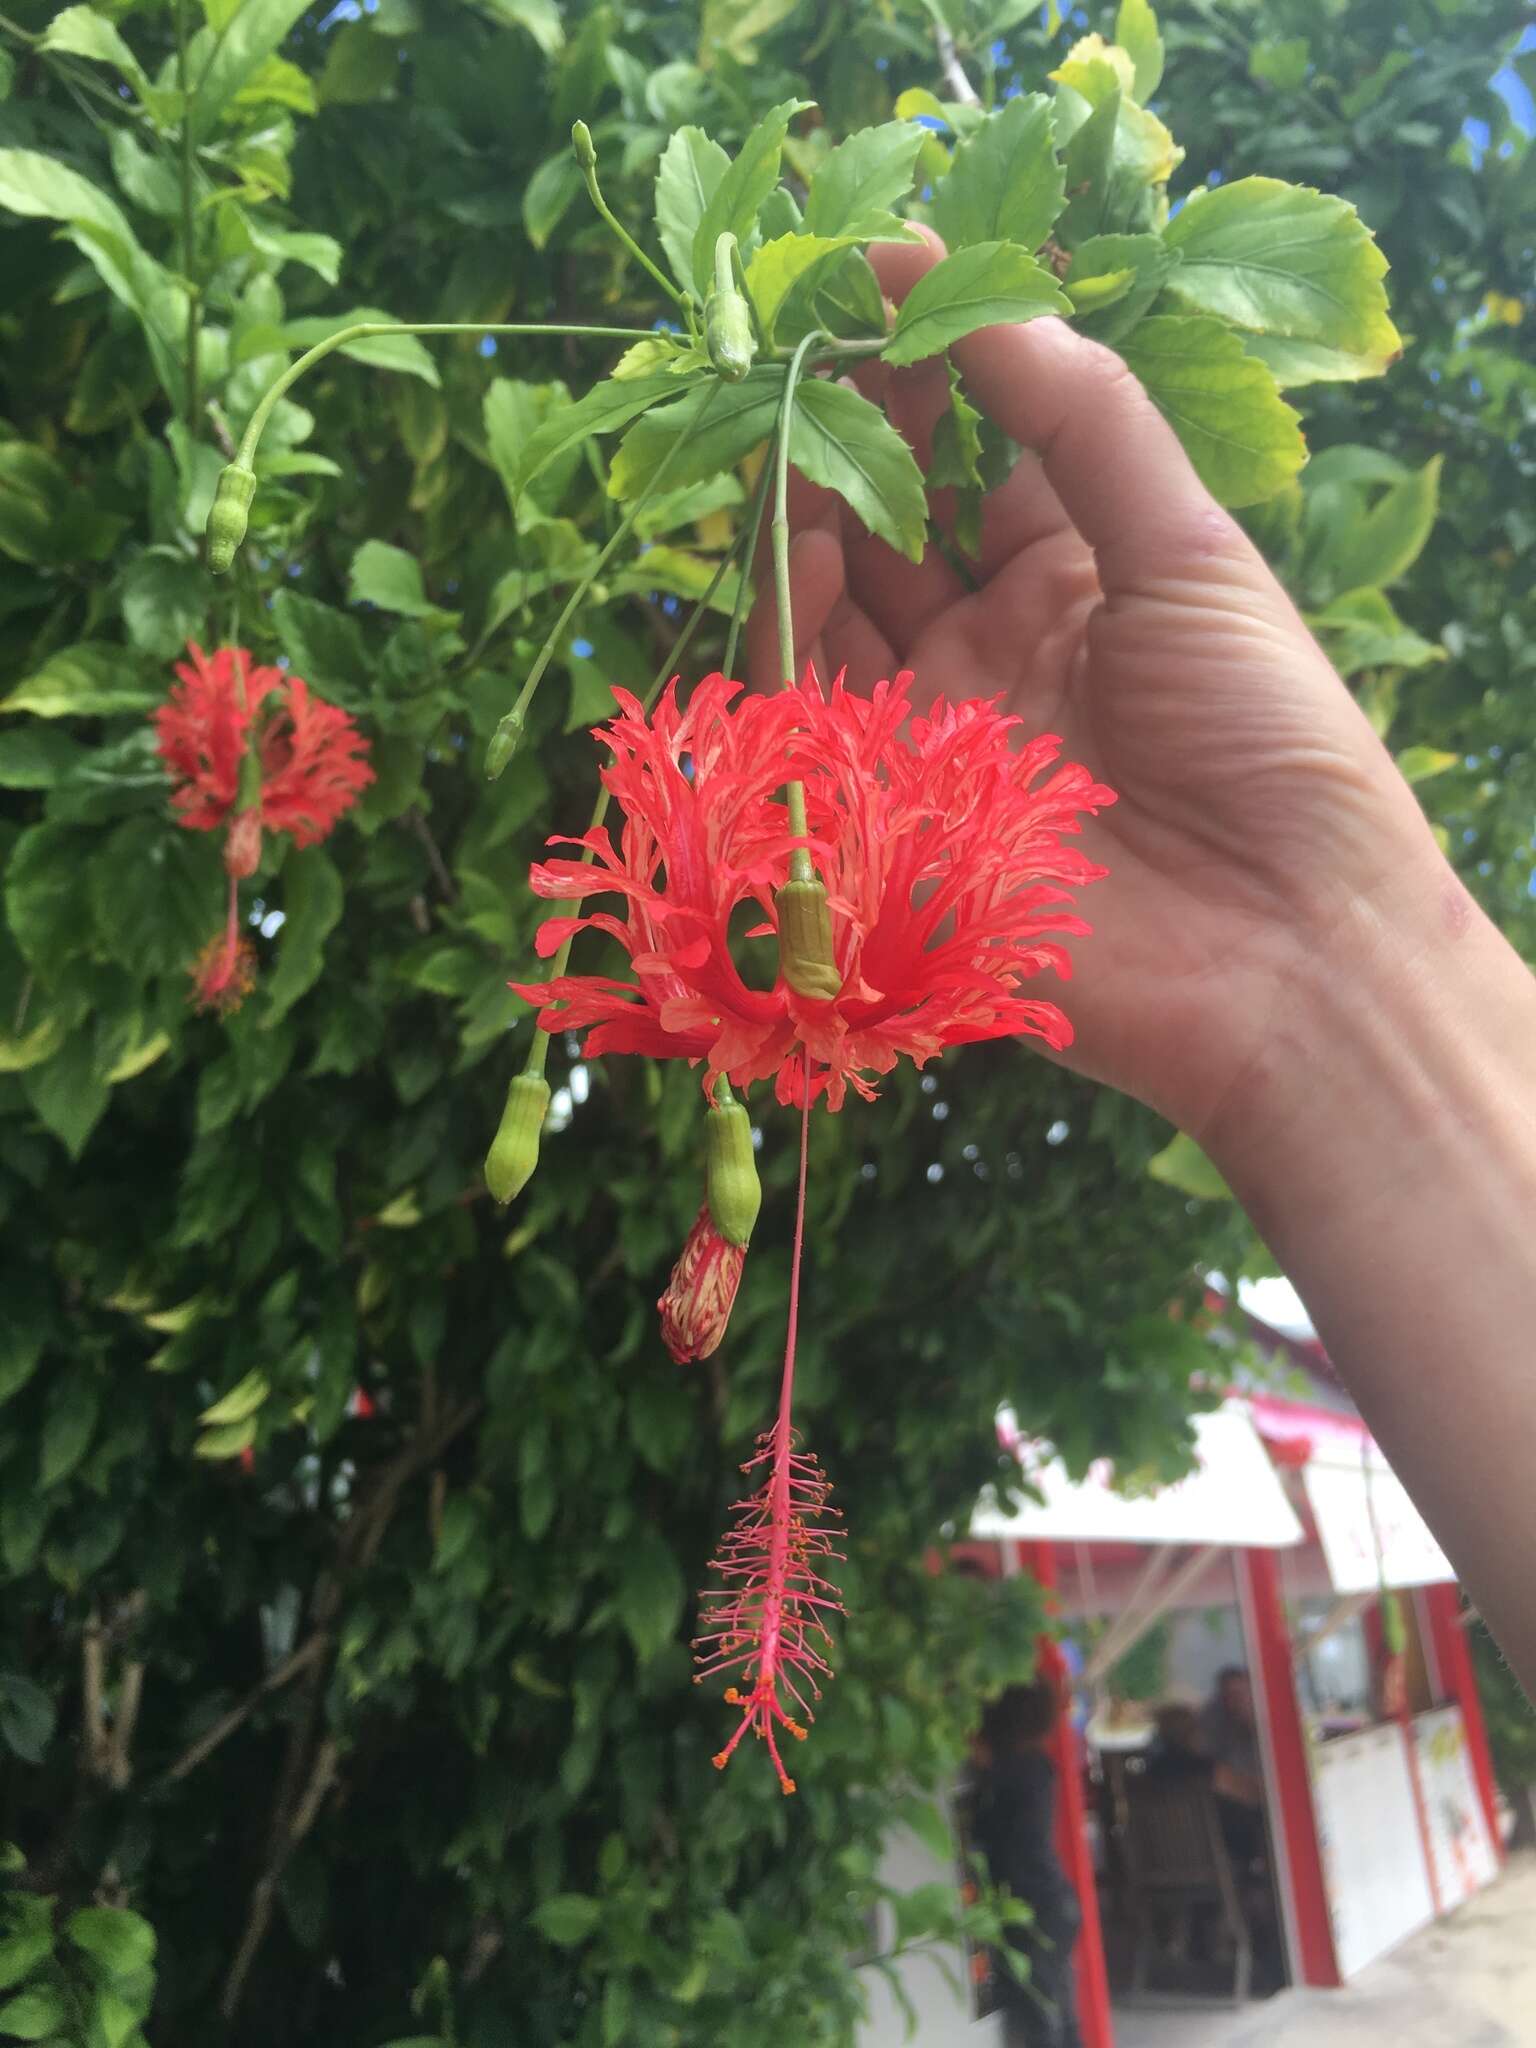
(767, 1619)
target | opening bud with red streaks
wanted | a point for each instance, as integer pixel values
(702, 1291)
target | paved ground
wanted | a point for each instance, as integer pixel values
(1467, 1982)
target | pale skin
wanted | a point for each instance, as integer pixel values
(1283, 963)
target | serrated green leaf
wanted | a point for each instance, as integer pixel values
(402, 352)
(778, 266)
(733, 204)
(1292, 266)
(986, 285)
(1006, 184)
(854, 189)
(82, 32)
(740, 418)
(691, 169)
(1384, 545)
(390, 578)
(841, 441)
(568, 1919)
(1112, 281)
(242, 47)
(956, 454)
(312, 906)
(605, 408)
(1242, 437)
(1136, 33)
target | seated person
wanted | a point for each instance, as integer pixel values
(1176, 1754)
(1229, 1736)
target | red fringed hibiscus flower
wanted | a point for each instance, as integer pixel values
(941, 847)
(313, 760)
(249, 749)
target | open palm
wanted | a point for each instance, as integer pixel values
(1116, 604)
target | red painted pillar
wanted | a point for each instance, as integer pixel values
(1296, 1820)
(1459, 1680)
(1094, 2019)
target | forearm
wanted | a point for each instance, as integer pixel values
(1385, 1146)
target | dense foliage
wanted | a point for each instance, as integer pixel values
(386, 1728)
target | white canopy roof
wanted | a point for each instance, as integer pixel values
(1371, 1532)
(1233, 1497)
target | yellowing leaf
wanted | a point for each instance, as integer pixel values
(1242, 437)
(1077, 68)
(242, 1400)
(1181, 1164)
(1418, 764)
(141, 1056)
(227, 1442)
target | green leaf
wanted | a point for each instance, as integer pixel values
(778, 266)
(26, 1727)
(113, 2018)
(69, 1424)
(988, 284)
(606, 406)
(740, 418)
(86, 680)
(741, 191)
(242, 1400)
(854, 189)
(1181, 1164)
(1386, 543)
(1280, 62)
(541, 18)
(1290, 265)
(1418, 764)
(840, 440)
(1006, 184)
(227, 1441)
(651, 1592)
(1360, 630)
(120, 1941)
(733, 26)
(165, 599)
(403, 352)
(548, 194)
(82, 32)
(21, 1954)
(1112, 281)
(1136, 33)
(513, 413)
(67, 1092)
(153, 897)
(390, 578)
(692, 167)
(568, 1919)
(23, 1333)
(1240, 434)
(33, 2014)
(242, 47)
(927, 1821)
(312, 905)
(36, 758)
(955, 460)
(325, 646)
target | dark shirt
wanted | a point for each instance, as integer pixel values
(1230, 1741)
(1014, 1825)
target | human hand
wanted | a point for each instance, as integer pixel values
(1262, 835)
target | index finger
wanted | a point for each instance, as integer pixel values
(1112, 459)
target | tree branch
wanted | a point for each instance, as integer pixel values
(297, 1661)
(959, 85)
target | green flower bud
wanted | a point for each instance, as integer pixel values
(505, 741)
(581, 142)
(806, 959)
(729, 341)
(514, 1151)
(731, 1185)
(227, 515)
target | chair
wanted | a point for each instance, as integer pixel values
(1174, 1856)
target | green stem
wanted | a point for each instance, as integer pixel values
(539, 1049)
(610, 220)
(515, 717)
(800, 868)
(754, 528)
(361, 330)
(188, 230)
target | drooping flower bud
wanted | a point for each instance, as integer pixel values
(733, 1191)
(581, 143)
(242, 844)
(729, 339)
(702, 1292)
(514, 1150)
(504, 743)
(228, 514)
(806, 959)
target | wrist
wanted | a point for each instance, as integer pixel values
(1401, 1035)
